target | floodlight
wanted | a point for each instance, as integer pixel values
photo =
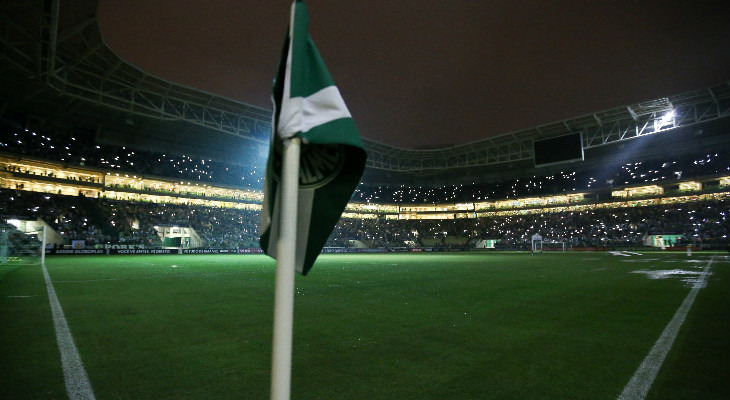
(666, 119)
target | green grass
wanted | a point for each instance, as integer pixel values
(385, 326)
(30, 365)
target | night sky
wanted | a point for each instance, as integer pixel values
(428, 72)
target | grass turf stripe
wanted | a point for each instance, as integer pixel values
(77, 382)
(639, 385)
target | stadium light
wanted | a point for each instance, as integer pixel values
(666, 119)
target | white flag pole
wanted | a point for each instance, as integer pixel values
(285, 273)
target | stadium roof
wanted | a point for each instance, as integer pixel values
(56, 70)
(423, 73)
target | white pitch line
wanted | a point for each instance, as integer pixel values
(77, 382)
(643, 378)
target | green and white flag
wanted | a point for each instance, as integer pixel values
(307, 104)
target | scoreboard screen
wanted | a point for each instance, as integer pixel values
(560, 149)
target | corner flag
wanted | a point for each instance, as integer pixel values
(308, 105)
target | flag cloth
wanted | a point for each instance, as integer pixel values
(307, 104)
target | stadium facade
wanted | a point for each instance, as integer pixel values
(58, 74)
(58, 78)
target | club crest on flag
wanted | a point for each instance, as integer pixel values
(318, 165)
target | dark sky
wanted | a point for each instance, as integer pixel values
(432, 72)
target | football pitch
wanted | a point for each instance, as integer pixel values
(562, 325)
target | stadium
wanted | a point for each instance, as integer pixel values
(542, 263)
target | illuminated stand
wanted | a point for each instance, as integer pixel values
(20, 241)
(536, 240)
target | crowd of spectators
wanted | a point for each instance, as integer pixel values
(217, 227)
(103, 220)
(79, 148)
(671, 168)
(99, 221)
(65, 214)
(705, 222)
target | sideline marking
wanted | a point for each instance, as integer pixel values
(77, 382)
(641, 382)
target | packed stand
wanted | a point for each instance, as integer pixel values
(702, 222)
(79, 149)
(102, 221)
(670, 169)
